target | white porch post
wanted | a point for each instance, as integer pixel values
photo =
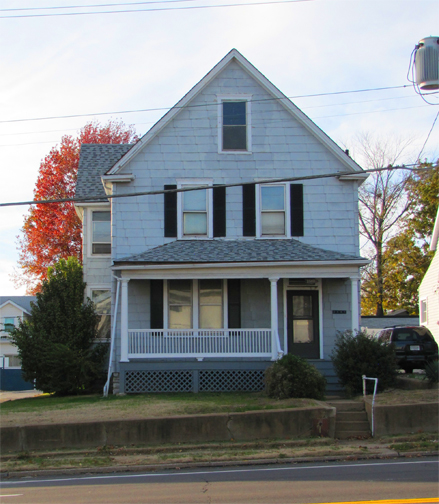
(124, 321)
(354, 305)
(274, 318)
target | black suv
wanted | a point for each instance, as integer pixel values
(414, 346)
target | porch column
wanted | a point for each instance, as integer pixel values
(274, 318)
(124, 321)
(354, 305)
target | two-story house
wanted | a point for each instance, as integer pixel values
(231, 263)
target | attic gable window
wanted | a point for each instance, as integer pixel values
(234, 124)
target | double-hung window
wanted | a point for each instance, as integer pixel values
(102, 300)
(272, 210)
(195, 213)
(101, 232)
(194, 209)
(234, 124)
(195, 304)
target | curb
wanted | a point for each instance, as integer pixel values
(192, 465)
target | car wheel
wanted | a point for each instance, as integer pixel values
(408, 369)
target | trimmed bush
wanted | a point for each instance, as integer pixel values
(292, 376)
(359, 354)
(432, 371)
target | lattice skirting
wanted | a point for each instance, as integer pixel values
(216, 380)
(231, 380)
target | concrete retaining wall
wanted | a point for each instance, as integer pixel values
(217, 427)
(403, 418)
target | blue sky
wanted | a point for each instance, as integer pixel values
(67, 65)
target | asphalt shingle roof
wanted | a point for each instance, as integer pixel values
(23, 301)
(94, 161)
(221, 251)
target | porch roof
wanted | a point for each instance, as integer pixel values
(235, 251)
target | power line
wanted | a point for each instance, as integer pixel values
(99, 198)
(95, 6)
(200, 105)
(195, 119)
(254, 123)
(126, 11)
(428, 136)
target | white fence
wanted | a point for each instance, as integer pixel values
(199, 343)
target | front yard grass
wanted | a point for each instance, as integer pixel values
(48, 409)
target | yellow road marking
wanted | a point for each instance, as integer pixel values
(388, 501)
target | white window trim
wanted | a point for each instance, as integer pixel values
(195, 304)
(235, 97)
(421, 320)
(89, 233)
(317, 287)
(206, 183)
(259, 209)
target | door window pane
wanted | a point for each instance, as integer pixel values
(302, 306)
(180, 304)
(303, 331)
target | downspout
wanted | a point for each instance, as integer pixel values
(113, 335)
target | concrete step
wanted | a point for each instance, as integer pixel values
(352, 434)
(352, 426)
(346, 405)
(351, 416)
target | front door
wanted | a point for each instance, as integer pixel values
(303, 323)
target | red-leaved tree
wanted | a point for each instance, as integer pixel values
(53, 231)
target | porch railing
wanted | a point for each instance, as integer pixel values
(199, 343)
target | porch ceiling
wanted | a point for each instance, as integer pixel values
(236, 251)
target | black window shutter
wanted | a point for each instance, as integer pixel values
(170, 212)
(156, 304)
(296, 203)
(234, 303)
(219, 211)
(249, 210)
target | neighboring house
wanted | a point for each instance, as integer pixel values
(429, 289)
(207, 287)
(12, 310)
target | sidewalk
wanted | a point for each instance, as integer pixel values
(18, 394)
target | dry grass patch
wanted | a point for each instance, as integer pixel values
(398, 396)
(48, 409)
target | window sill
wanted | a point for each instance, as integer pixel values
(237, 152)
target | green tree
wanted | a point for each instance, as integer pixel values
(56, 345)
(405, 256)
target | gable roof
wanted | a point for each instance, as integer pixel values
(94, 161)
(20, 302)
(233, 251)
(235, 55)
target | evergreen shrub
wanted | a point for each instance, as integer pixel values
(57, 345)
(358, 354)
(292, 376)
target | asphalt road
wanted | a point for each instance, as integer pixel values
(385, 482)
